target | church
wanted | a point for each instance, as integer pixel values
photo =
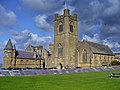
(66, 52)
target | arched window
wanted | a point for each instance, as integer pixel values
(71, 27)
(84, 56)
(8, 54)
(60, 27)
(21, 61)
(60, 50)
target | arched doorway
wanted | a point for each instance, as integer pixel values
(60, 66)
(43, 64)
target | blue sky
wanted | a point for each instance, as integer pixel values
(31, 21)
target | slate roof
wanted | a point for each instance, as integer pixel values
(9, 45)
(99, 48)
(27, 55)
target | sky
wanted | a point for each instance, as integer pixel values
(31, 22)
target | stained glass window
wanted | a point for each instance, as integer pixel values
(84, 56)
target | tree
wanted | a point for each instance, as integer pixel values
(115, 63)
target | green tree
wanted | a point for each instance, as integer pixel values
(115, 63)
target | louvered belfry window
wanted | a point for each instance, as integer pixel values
(60, 27)
(71, 28)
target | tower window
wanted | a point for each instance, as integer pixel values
(60, 27)
(71, 28)
(60, 50)
(7, 54)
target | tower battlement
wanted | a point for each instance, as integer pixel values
(65, 14)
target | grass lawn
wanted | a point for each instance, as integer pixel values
(77, 81)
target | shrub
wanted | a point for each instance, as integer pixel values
(115, 63)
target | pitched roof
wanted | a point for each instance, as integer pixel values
(99, 48)
(14, 47)
(27, 55)
(9, 45)
(33, 47)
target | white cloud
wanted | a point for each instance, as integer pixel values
(7, 18)
(44, 6)
(111, 44)
(25, 37)
(114, 45)
(37, 40)
(41, 22)
(95, 38)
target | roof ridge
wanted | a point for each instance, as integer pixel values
(25, 51)
(97, 47)
(98, 44)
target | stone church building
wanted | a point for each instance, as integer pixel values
(66, 52)
(32, 57)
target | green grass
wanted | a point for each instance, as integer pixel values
(77, 81)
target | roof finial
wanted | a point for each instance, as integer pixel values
(66, 7)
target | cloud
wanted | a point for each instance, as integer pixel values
(7, 18)
(111, 42)
(37, 40)
(45, 22)
(41, 22)
(2, 46)
(95, 38)
(26, 37)
(114, 45)
(98, 19)
(43, 6)
(113, 8)
(1, 56)
(1, 33)
(110, 31)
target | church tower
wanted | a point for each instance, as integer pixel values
(65, 39)
(9, 55)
